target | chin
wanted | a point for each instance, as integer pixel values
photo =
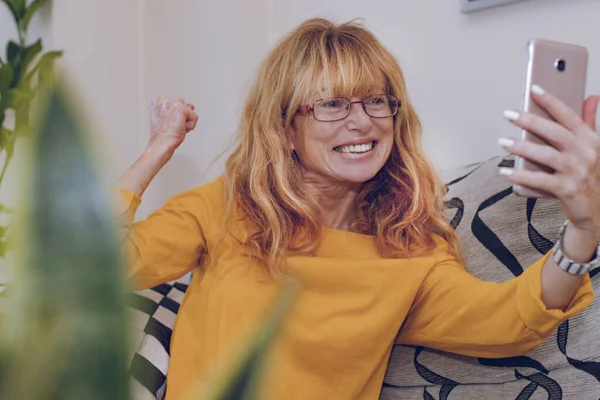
(358, 176)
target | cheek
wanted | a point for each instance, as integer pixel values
(387, 126)
(314, 139)
(386, 131)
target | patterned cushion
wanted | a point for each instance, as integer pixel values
(152, 314)
(501, 234)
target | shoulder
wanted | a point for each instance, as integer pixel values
(206, 202)
(442, 251)
(212, 192)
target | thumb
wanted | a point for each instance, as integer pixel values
(590, 107)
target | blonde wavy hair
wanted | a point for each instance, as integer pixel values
(402, 206)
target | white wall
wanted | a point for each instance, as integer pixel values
(102, 44)
(462, 71)
(206, 53)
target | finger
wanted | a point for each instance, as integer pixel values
(190, 105)
(553, 133)
(536, 180)
(538, 153)
(154, 103)
(562, 113)
(590, 108)
(190, 124)
(155, 106)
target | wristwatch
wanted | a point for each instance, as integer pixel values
(568, 265)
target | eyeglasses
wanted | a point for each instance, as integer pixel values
(338, 108)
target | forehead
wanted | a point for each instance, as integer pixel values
(340, 66)
(324, 87)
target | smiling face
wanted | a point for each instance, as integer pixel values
(351, 150)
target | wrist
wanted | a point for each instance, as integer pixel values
(159, 152)
(579, 245)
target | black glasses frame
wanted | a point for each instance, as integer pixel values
(310, 108)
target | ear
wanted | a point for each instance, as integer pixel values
(290, 134)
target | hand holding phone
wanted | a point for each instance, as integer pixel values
(561, 69)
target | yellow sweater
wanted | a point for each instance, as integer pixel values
(354, 305)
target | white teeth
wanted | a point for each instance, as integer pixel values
(355, 148)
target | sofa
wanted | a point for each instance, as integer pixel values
(501, 234)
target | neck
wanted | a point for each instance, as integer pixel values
(336, 200)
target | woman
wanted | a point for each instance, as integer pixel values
(328, 182)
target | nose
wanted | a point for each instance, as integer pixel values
(358, 119)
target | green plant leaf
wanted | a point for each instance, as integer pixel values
(13, 55)
(12, 52)
(6, 77)
(8, 144)
(13, 11)
(20, 95)
(29, 53)
(242, 379)
(68, 295)
(31, 10)
(4, 136)
(19, 7)
(45, 64)
(21, 57)
(4, 242)
(22, 125)
(20, 100)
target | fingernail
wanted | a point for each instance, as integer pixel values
(537, 90)
(506, 171)
(511, 115)
(505, 142)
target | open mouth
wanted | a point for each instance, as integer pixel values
(356, 148)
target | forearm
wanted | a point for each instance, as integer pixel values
(456, 312)
(558, 286)
(140, 174)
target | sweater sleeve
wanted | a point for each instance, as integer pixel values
(458, 313)
(167, 244)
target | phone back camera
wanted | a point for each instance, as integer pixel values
(560, 65)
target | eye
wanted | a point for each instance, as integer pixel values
(332, 103)
(377, 100)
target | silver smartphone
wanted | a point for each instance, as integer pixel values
(560, 69)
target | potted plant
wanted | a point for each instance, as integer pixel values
(23, 68)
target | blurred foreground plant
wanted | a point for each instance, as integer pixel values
(65, 338)
(20, 80)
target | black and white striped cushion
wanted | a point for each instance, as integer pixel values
(152, 314)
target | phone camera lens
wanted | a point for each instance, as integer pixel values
(560, 65)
